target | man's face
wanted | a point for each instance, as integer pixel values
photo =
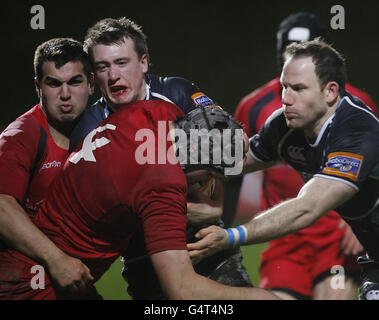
(63, 92)
(303, 100)
(119, 72)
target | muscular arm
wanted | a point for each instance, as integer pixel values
(19, 232)
(180, 281)
(316, 198)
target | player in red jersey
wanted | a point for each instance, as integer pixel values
(298, 265)
(119, 179)
(34, 148)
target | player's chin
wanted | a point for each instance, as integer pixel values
(68, 117)
(293, 124)
(119, 101)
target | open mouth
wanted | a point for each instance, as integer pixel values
(118, 90)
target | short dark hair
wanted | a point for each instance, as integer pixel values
(61, 51)
(329, 63)
(108, 31)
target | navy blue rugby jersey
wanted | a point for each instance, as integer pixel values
(185, 94)
(346, 149)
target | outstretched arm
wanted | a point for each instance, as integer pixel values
(315, 199)
(179, 281)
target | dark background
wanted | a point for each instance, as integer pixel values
(227, 48)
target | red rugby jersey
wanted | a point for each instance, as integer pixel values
(103, 195)
(24, 175)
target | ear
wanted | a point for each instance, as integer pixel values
(91, 83)
(331, 92)
(37, 87)
(144, 63)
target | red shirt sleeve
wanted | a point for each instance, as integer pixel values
(18, 149)
(163, 209)
(162, 191)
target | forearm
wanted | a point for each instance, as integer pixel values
(19, 232)
(315, 199)
(204, 288)
(287, 217)
(180, 281)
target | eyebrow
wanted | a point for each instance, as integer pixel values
(108, 62)
(73, 78)
(299, 84)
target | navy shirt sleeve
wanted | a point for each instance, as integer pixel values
(185, 94)
(264, 145)
(352, 150)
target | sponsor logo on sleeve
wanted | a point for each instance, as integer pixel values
(202, 99)
(344, 164)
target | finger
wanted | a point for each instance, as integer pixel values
(198, 245)
(193, 207)
(349, 246)
(195, 246)
(358, 248)
(88, 275)
(198, 255)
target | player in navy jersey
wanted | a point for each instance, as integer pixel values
(330, 138)
(34, 148)
(119, 53)
(305, 258)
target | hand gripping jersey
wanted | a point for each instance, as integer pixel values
(29, 159)
(106, 191)
(346, 149)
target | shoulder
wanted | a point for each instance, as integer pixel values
(354, 112)
(142, 112)
(26, 127)
(182, 92)
(166, 84)
(362, 95)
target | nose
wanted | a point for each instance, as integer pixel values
(65, 92)
(287, 98)
(113, 75)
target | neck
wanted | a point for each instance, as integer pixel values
(59, 131)
(61, 134)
